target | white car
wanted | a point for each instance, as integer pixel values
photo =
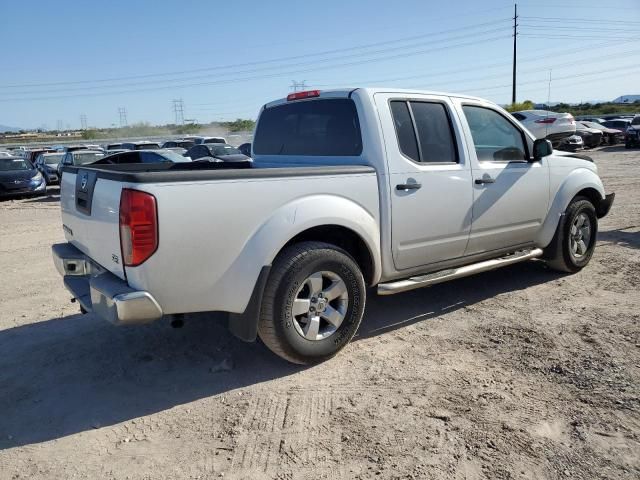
(550, 125)
(390, 188)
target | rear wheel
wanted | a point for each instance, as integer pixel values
(575, 238)
(313, 302)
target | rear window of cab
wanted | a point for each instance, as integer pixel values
(323, 127)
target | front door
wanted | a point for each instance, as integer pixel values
(429, 179)
(510, 192)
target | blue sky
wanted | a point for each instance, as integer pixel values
(69, 58)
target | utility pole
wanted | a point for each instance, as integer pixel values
(83, 122)
(178, 110)
(298, 86)
(515, 35)
(122, 112)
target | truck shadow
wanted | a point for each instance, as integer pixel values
(622, 236)
(67, 375)
(387, 313)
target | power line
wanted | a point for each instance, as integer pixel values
(224, 69)
(256, 77)
(83, 121)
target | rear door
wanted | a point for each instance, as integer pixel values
(430, 179)
(510, 194)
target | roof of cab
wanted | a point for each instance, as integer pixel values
(370, 91)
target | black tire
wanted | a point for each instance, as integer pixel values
(293, 266)
(559, 254)
(627, 145)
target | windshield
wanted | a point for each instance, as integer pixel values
(214, 140)
(226, 150)
(147, 146)
(636, 121)
(53, 159)
(88, 157)
(9, 164)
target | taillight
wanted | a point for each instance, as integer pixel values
(301, 95)
(138, 226)
(546, 120)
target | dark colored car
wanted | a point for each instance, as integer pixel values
(610, 136)
(19, 177)
(186, 144)
(73, 148)
(632, 135)
(31, 155)
(591, 137)
(112, 146)
(245, 148)
(620, 124)
(141, 145)
(79, 157)
(143, 156)
(219, 152)
(47, 165)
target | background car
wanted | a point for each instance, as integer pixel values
(245, 148)
(186, 144)
(610, 136)
(632, 135)
(222, 152)
(203, 140)
(591, 137)
(571, 143)
(112, 146)
(141, 145)
(31, 155)
(620, 124)
(5, 154)
(79, 157)
(19, 177)
(47, 165)
(550, 125)
(143, 156)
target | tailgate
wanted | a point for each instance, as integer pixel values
(90, 217)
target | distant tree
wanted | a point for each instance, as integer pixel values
(516, 107)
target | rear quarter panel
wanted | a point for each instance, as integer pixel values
(215, 237)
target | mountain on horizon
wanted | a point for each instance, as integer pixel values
(5, 128)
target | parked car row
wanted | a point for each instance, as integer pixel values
(568, 133)
(42, 166)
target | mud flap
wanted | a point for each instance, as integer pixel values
(245, 325)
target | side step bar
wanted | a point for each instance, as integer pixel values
(452, 273)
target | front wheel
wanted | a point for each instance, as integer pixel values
(575, 238)
(312, 304)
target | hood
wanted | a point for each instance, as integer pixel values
(17, 175)
(236, 157)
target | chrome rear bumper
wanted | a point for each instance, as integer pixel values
(100, 291)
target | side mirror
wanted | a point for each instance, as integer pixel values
(541, 148)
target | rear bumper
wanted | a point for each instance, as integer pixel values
(602, 209)
(100, 291)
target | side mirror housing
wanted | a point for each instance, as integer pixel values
(541, 148)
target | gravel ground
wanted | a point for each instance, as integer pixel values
(517, 373)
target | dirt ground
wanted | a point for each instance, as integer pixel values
(517, 373)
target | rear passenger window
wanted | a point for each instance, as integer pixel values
(404, 130)
(434, 142)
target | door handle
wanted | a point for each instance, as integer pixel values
(482, 181)
(408, 186)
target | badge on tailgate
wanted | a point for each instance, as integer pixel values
(85, 183)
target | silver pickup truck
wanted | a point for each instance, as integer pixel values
(349, 188)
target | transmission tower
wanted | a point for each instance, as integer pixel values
(60, 125)
(298, 86)
(83, 121)
(178, 110)
(122, 111)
